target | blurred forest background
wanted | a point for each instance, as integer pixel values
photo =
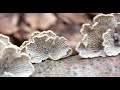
(19, 26)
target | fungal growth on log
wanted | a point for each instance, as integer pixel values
(102, 38)
(4, 41)
(91, 45)
(13, 63)
(111, 41)
(46, 44)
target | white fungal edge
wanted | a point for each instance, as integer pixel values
(68, 52)
(84, 53)
(110, 50)
(99, 15)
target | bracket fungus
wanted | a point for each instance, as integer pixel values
(111, 41)
(99, 39)
(4, 41)
(46, 44)
(13, 63)
(117, 16)
(90, 46)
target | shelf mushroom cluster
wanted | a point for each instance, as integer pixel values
(17, 61)
(44, 45)
(13, 63)
(102, 38)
